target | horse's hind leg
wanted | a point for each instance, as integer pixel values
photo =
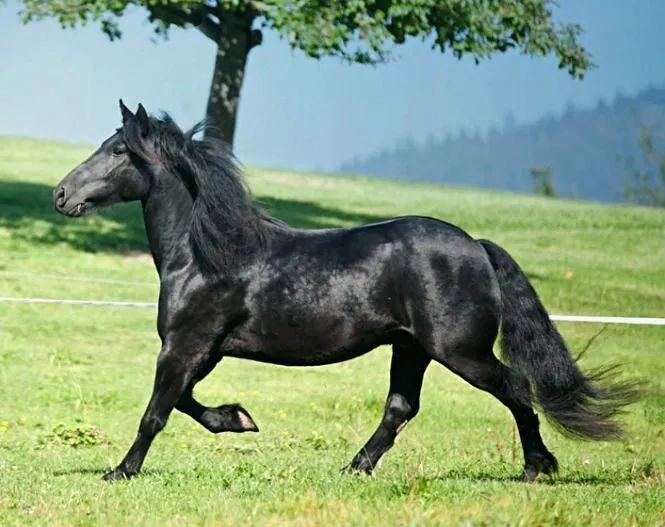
(406, 378)
(480, 367)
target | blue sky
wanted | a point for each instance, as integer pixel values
(299, 113)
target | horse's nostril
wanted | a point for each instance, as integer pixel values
(60, 197)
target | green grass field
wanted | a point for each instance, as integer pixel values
(74, 380)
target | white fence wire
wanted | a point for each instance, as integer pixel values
(642, 321)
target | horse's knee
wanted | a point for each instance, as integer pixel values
(398, 411)
(151, 425)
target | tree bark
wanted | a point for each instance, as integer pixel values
(236, 39)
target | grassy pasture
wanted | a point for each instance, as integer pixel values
(74, 380)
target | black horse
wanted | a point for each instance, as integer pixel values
(236, 282)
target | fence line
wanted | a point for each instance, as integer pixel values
(642, 321)
(106, 303)
(77, 278)
(639, 321)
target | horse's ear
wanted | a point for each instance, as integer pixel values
(144, 120)
(126, 112)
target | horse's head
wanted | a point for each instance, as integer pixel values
(116, 172)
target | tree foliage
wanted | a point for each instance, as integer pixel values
(363, 31)
(360, 31)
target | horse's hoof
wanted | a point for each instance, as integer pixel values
(116, 474)
(247, 424)
(357, 469)
(530, 474)
(228, 418)
(542, 463)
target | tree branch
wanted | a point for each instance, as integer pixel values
(209, 28)
(199, 18)
(255, 38)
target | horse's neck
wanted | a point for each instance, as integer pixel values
(166, 213)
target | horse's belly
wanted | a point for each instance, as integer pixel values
(315, 342)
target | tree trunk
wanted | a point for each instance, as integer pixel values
(235, 42)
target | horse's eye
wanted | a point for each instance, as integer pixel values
(119, 149)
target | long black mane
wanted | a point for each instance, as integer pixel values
(226, 226)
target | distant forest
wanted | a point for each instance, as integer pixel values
(591, 153)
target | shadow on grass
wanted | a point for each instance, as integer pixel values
(611, 478)
(83, 470)
(306, 214)
(97, 471)
(26, 210)
(425, 484)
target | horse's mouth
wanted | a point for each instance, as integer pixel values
(78, 210)
(87, 205)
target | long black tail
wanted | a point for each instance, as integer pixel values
(580, 405)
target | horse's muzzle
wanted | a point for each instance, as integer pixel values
(59, 198)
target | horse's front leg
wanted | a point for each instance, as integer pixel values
(224, 418)
(174, 372)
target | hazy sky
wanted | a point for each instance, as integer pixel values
(299, 113)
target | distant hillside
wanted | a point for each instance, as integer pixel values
(587, 150)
